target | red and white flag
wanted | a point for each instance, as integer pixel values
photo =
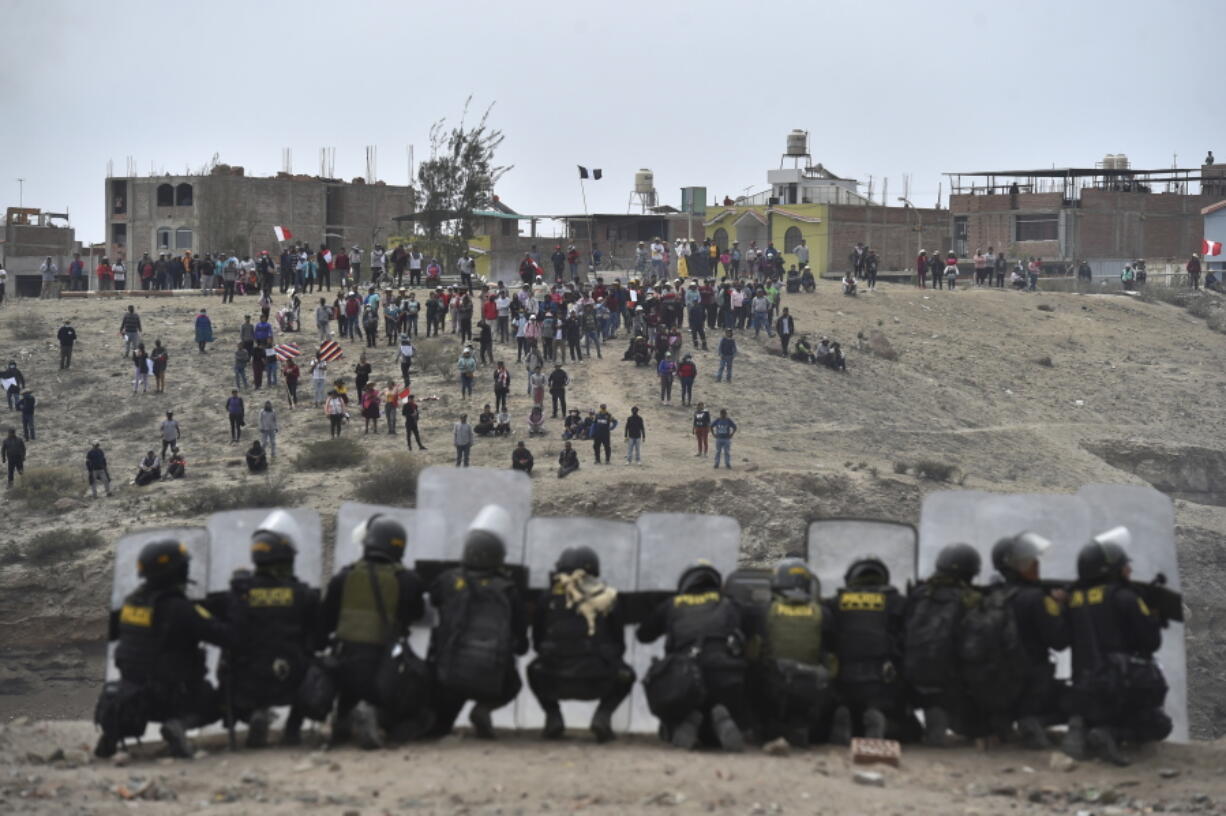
(330, 350)
(282, 233)
(328, 257)
(1208, 247)
(403, 396)
(287, 351)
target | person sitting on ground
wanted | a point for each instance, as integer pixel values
(849, 284)
(793, 281)
(836, 360)
(568, 461)
(572, 423)
(1211, 281)
(176, 465)
(521, 458)
(502, 423)
(822, 356)
(485, 422)
(806, 280)
(149, 470)
(536, 421)
(257, 460)
(803, 352)
(1017, 280)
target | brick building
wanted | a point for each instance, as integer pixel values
(226, 210)
(30, 237)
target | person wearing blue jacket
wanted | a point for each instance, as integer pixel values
(727, 351)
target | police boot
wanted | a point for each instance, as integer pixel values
(602, 725)
(840, 727)
(481, 721)
(174, 734)
(292, 735)
(936, 727)
(106, 747)
(1074, 744)
(874, 724)
(1102, 742)
(685, 734)
(726, 730)
(1034, 736)
(364, 723)
(257, 728)
(555, 726)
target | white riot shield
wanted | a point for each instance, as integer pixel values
(458, 494)
(668, 543)
(833, 544)
(230, 544)
(126, 580)
(616, 543)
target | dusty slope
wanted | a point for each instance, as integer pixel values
(522, 775)
(966, 390)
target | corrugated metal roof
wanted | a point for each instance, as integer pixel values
(1212, 208)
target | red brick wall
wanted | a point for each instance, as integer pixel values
(891, 231)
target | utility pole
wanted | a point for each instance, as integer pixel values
(21, 186)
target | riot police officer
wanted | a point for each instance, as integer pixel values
(933, 614)
(159, 656)
(868, 623)
(794, 669)
(368, 608)
(697, 689)
(279, 620)
(578, 631)
(1118, 688)
(482, 627)
(1041, 630)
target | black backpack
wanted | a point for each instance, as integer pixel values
(994, 664)
(930, 641)
(477, 653)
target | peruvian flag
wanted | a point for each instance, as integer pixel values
(282, 233)
(403, 396)
(1208, 247)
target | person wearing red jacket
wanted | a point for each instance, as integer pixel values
(921, 270)
(686, 372)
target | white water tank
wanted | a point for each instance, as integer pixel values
(1121, 161)
(1109, 161)
(798, 143)
(644, 181)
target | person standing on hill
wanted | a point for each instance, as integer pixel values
(67, 336)
(411, 414)
(204, 330)
(291, 375)
(602, 430)
(723, 429)
(96, 469)
(13, 452)
(462, 436)
(1193, 268)
(234, 410)
(636, 435)
(140, 362)
(269, 429)
(558, 381)
(26, 406)
(727, 352)
(160, 358)
(171, 432)
(785, 326)
(130, 329)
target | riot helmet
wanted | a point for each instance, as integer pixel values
(578, 558)
(959, 561)
(269, 548)
(867, 571)
(1105, 557)
(701, 574)
(383, 538)
(485, 546)
(793, 579)
(1013, 556)
(163, 563)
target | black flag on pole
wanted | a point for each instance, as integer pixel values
(582, 172)
(596, 174)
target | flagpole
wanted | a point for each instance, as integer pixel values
(586, 217)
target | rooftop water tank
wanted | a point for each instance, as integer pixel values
(798, 143)
(1121, 161)
(644, 181)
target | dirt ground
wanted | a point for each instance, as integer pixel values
(1017, 392)
(47, 771)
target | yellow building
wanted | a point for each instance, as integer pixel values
(783, 226)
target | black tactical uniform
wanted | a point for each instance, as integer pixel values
(1042, 628)
(792, 686)
(1118, 688)
(482, 627)
(705, 627)
(578, 660)
(279, 620)
(934, 613)
(369, 605)
(868, 617)
(159, 656)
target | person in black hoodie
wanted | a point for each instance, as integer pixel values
(13, 452)
(67, 336)
(16, 385)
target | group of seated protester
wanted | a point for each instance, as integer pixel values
(800, 279)
(849, 284)
(493, 424)
(257, 459)
(827, 353)
(150, 468)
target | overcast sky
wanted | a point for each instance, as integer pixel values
(701, 93)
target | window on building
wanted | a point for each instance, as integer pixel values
(1044, 227)
(166, 195)
(792, 239)
(721, 239)
(119, 197)
(164, 237)
(183, 195)
(119, 235)
(960, 232)
(510, 227)
(183, 238)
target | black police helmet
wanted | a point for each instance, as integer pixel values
(1012, 555)
(483, 550)
(1104, 557)
(699, 575)
(578, 558)
(793, 579)
(959, 561)
(268, 547)
(384, 539)
(868, 571)
(163, 563)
